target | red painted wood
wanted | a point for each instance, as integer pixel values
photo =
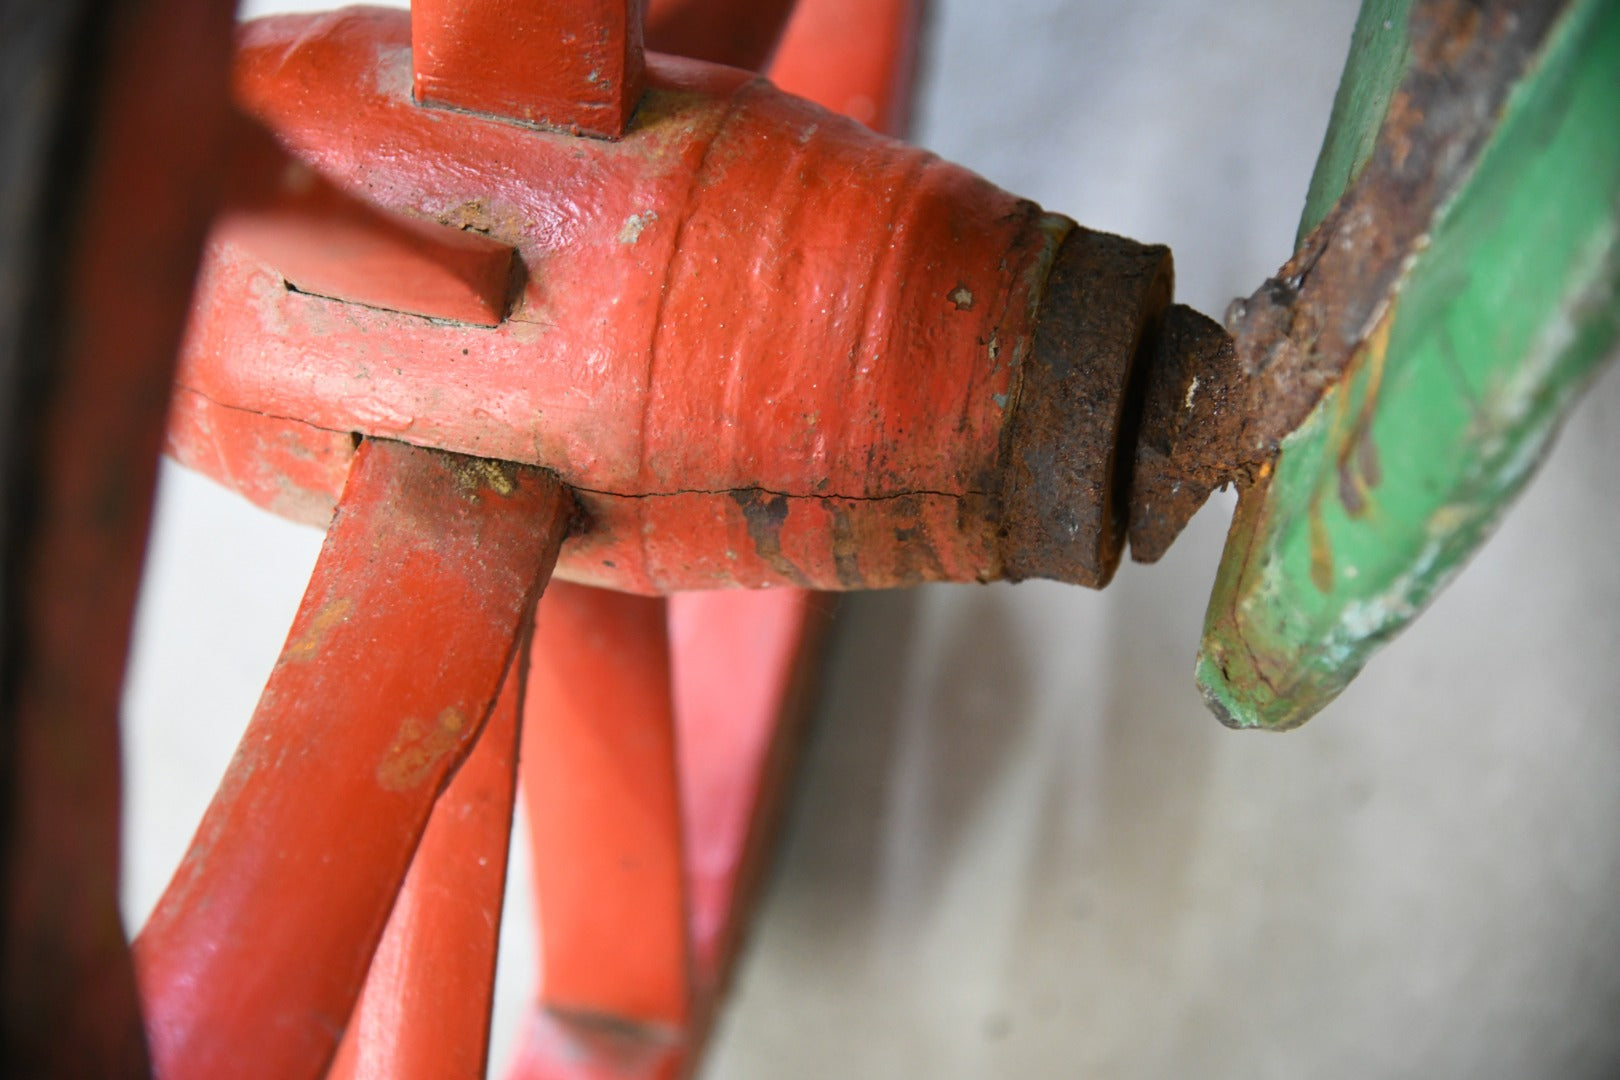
(113, 184)
(563, 63)
(557, 1048)
(252, 961)
(601, 790)
(327, 242)
(741, 33)
(875, 49)
(741, 659)
(742, 667)
(283, 465)
(810, 376)
(741, 663)
(425, 1011)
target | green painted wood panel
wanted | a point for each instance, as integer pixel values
(1450, 402)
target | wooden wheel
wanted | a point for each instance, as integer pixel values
(387, 738)
(310, 921)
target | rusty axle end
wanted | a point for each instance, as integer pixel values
(1132, 410)
(1189, 436)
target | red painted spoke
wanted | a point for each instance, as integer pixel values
(741, 661)
(559, 1048)
(857, 57)
(741, 33)
(253, 960)
(600, 787)
(425, 1011)
(563, 63)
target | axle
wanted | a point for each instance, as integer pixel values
(762, 344)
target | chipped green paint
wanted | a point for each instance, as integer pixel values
(1404, 467)
(1379, 49)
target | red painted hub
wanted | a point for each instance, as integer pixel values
(763, 344)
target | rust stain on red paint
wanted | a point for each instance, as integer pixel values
(309, 642)
(418, 748)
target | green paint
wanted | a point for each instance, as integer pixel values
(1379, 48)
(1405, 466)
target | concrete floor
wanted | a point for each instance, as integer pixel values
(1019, 846)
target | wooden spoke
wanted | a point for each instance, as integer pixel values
(562, 64)
(857, 57)
(741, 661)
(741, 33)
(599, 782)
(425, 1011)
(253, 960)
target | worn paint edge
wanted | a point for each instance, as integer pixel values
(1380, 50)
(1264, 664)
